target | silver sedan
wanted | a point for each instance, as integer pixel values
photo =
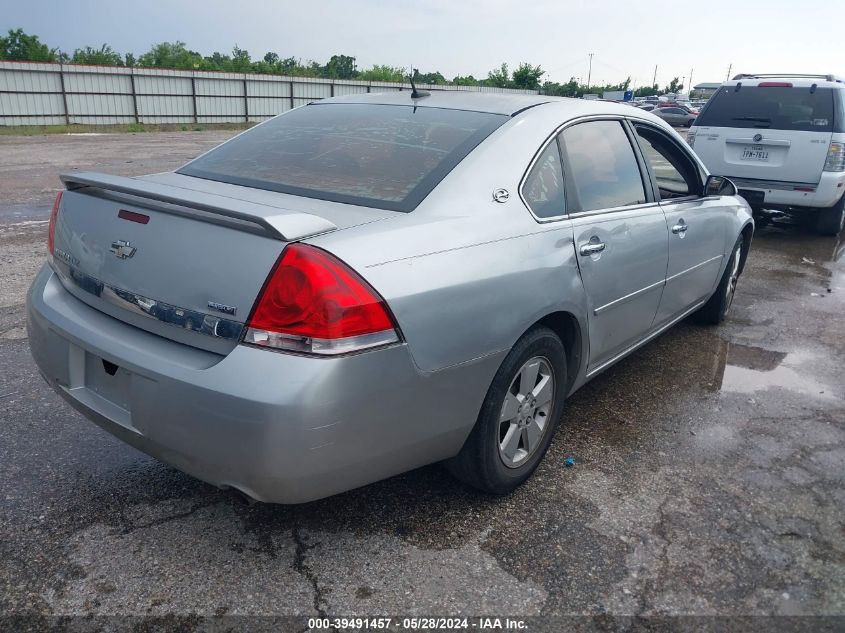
(676, 115)
(368, 284)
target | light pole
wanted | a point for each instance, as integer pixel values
(590, 69)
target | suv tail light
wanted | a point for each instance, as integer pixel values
(315, 304)
(51, 228)
(835, 157)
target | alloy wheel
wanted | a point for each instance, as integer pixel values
(730, 289)
(524, 417)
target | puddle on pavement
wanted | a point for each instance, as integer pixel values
(747, 369)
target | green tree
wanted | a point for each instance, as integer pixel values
(466, 80)
(241, 61)
(569, 89)
(103, 56)
(19, 46)
(129, 60)
(340, 67)
(434, 78)
(271, 58)
(527, 77)
(646, 91)
(384, 73)
(674, 86)
(217, 61)
(171, 55)
(499, 77)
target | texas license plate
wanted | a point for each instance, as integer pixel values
(754, 152)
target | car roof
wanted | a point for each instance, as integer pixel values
(493, 103)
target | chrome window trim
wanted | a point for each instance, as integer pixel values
(208, 324)
(630, 207)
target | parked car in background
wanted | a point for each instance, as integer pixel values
(648, 107)
(383, 281)
(676, 104)
(781, 139)
(675, 115)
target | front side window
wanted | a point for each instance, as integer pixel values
(543, 189)
(384, 156)
(602, 165)
(675, 172)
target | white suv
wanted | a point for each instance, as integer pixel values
(781, 139)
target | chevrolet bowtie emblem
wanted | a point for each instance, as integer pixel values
(122, 250)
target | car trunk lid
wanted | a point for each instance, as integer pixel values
(178, 256)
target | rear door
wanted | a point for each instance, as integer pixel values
(696, 227)
(769, 131)
(619, 235)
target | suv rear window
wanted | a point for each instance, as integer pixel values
(384, 156)
(777, 108)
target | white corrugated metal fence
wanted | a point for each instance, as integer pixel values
(60, 94)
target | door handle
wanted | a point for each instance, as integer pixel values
(679, 228)
(591, 248)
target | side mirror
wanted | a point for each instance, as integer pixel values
(719, 186)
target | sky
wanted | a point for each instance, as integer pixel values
(626, 38)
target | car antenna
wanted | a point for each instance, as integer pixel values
(417, 94)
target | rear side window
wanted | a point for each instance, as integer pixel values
(770, 107)
(543, 189)
(602, 165)
(385, 156)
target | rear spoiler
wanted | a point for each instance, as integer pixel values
(240, 214)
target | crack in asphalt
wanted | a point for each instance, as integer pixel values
(305, 570)
(128, 528)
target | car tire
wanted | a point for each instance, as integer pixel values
(689, 123)
(713, 312)
(507, 443)
(830, 221)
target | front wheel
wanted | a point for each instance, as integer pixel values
(518, 416)
(830, 221)
(713, 312)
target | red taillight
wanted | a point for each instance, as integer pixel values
(51, 229)
(774, 84)
(314, 303)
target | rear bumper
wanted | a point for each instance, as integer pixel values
(783, 195)
(279, 427)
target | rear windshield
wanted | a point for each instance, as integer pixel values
(778, 108)
(384, 156)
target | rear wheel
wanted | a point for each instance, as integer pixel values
(830, 221)
(518, 416)
(713, 312)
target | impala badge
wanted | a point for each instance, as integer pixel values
(222, 307)
(122, 249)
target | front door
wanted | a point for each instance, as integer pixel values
(696, 226)
(619, 235)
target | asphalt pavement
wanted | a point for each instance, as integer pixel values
(708, 476)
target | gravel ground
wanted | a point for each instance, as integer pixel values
(708, 478)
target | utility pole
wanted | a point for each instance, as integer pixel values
(690, 81)
(729, 71)
(654, 81)
(590, 70)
